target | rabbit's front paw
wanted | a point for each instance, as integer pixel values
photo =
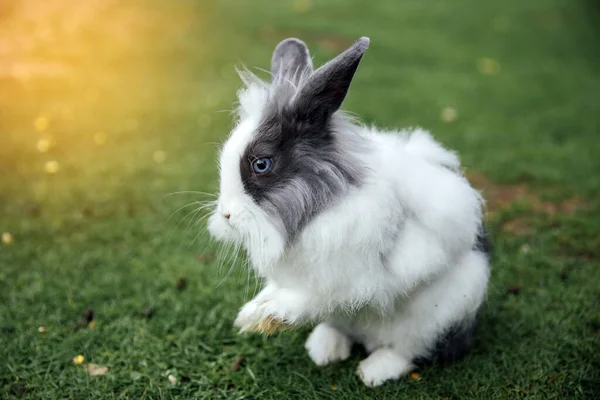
(283, 307)
(381, 366)
(249, 317)
(271, 312)
(326, 345)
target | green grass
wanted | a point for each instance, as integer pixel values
(97, 234)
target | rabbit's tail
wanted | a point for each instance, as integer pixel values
(421, 143)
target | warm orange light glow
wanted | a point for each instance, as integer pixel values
(80, 79)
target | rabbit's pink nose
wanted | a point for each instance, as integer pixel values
(227, 216)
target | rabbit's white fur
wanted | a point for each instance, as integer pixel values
(391, 264)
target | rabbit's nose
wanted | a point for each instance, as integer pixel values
(227, 215)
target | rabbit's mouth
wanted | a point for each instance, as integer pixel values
(252, 229)
(220, 228)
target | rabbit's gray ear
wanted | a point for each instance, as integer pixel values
(323, 93)
(290, 60)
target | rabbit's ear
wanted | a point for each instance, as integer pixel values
(324, 91)
(290, 60)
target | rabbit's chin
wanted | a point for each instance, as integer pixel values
(261, 239)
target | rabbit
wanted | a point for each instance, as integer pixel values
(373, 236)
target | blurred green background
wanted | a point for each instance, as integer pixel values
(109, 109)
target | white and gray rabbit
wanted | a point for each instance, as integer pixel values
(375, 236)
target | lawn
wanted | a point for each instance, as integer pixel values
(110, 119)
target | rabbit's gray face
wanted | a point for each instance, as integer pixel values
(288, 158)
(293, 169)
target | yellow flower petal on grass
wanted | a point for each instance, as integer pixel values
(78, 359)
(42, 329)
(172, 379)
(415, 376)
(51, 167)
(7, 238)
(92, 324)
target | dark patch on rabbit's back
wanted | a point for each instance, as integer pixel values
(458, 339)
(451, 345)
(483, 242)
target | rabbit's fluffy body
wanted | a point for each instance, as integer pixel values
(379, 239)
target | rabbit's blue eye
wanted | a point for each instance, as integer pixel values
(262, 165)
